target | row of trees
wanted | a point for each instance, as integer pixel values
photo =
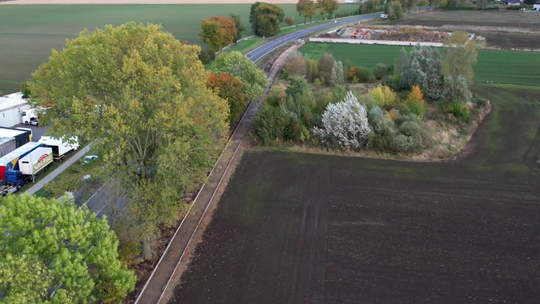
(308, 8)
(158, 119)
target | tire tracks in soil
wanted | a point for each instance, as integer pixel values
(308, 239)
(299, 244)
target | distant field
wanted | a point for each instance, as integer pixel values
(510, 67)
(28, 33)
(475, 18)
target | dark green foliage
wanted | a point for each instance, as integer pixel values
(288, 120)
(206, 56)
(265, 19)
(326, 64)
(380, 71)
(297, 86)
(364, 74)
(239, 27)
(25, 89)
(394, 10)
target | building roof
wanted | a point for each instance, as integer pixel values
(512, 1)
(11, 102)
(5, 132)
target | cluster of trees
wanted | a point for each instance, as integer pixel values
(381, 121)
(444, 78)
(326, 71)
(52, 251)
(308, 8)
(237, 80)
(390, 119)
(157, 117)
(219, 32)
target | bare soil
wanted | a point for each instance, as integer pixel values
(508, 30)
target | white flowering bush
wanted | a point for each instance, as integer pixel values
(346, 122)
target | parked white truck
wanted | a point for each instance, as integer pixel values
(59, 148)
(37, 160)
(32, 116)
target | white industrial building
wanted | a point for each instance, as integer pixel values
(11, 107)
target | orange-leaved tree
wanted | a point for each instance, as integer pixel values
(232, 90)
(415, 95)
(218, 32)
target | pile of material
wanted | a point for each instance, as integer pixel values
(413, 34)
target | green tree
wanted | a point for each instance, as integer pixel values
(460, 55)
(326, 64)
(301, 8)
(311, 10)
(239, 66)
(328, 7)
(265, 19)
(395, 11)
(218, 32)
(140, 95)
(239, 27)
(52, 251)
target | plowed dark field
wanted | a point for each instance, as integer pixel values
(302, 228)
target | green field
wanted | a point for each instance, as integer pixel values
(28, 33)
(510, 67)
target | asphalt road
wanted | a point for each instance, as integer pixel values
(263, 50)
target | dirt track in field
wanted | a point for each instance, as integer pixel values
(143, 1)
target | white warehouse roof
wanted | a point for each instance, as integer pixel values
(7, 103)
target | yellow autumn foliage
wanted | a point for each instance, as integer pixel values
(384, 96)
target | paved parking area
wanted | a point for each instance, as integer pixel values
(37, 132)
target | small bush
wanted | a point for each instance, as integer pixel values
(318, 83)
(459, 110)
(363, 74)
(380, 71)
(289, 21)
(418, 108)
(402, 144)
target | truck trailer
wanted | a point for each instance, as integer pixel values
(32, 164)
(59, 147)
(7, 144)
(36, 161)
(10, 161)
